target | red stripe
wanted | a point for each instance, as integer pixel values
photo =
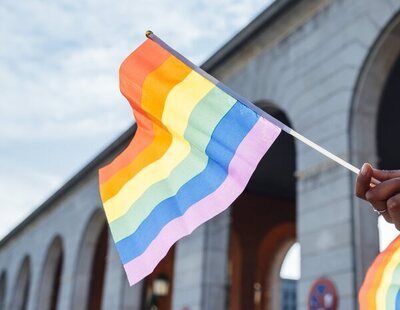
(133, 71)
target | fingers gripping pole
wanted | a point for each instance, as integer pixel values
(322, 150)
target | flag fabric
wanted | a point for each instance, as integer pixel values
(381, 287)
(193, 153)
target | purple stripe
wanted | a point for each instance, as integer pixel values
(247, 156)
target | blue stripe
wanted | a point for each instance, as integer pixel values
(219, 84)
(398, 300)
(227, 135)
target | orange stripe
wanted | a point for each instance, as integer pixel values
(369, 282)
(133, 71)
(367, 293)
(377, 273)
(156, 88)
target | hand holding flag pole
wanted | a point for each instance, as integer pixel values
(287, 129)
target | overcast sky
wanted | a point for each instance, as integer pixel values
(59, 97)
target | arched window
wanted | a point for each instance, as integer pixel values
(289, 274)
(91, 265)
(273, 251)
(291, 264)
(98, 270)
(21, 288)
(51, 277)
(3, 280)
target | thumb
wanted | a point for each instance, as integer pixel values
(364, 180)
(366, 171)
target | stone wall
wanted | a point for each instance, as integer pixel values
(310, 71)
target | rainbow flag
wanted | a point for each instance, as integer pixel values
(381, 287)
(193, 153)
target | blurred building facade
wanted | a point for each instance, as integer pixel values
(329, 69)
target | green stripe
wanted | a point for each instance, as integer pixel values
(393, 289)
(202, 122)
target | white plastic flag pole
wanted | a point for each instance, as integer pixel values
(321, 150)
(325, 152)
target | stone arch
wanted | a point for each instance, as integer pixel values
(272, 252)
(363, 129)
(91, 264)
(20, 297)
(50, 283)
(3, 291)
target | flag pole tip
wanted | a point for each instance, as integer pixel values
(149, 33)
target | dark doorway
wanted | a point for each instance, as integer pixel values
(388, 128)
(263, 226)
(21, 290)
(158, 286)
(51, 277)
(98, 270)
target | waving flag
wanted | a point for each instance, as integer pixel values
(381, 287)
(194, 150)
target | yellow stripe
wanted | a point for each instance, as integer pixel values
(386, 281)
(179, 104)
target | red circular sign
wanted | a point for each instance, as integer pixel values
(323, 295)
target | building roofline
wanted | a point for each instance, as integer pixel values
(265, 18)
(93, 164)
(268, 16)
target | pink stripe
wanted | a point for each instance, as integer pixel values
(247, 156)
